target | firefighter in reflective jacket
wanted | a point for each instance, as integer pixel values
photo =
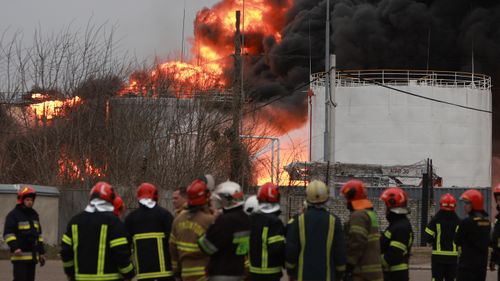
(227, 240)
(315, 246)
(188, 261)
(267, 239)
(362, 235)
(149, 228)
(397, 239)
(495, 237)
(23, 234)
(95, 245)
(440, 233)
(473, 236)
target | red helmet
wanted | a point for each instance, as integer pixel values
(447, 202)
(355, 193)
(104, 191)
(268, 193)
(395, 199)
(496, 190)
(119, 206)
(147, 190)
(25, 192)
(198, 193)
(475, 198)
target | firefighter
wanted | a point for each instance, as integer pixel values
(495, 237)
(188, 261)
(227, 240)
(179, 200)
(315, 245)
(95, 245)
(397, 239)
(267, 239)
(23, 234)
(149, 228)
(119, 207)
(440, 233)
(362, 235)
(251, 205)
(473, 236)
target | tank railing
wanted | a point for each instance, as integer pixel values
(446, 79)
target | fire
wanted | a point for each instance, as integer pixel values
(213, 45)
(47, 108)
(69, 169)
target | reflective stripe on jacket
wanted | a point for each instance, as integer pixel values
(395, 243)
(440, 233)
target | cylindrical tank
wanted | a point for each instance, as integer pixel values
(373, 124)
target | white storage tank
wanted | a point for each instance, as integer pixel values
(372, 124)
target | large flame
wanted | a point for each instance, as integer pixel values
(213, 46)
(48, 108)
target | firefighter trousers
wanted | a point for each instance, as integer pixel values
(443, 271)
(24, 271)
(469, 274)
(401, 275)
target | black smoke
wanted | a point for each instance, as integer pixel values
(368, 34)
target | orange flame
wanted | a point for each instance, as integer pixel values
(48, 109)
(68, 168)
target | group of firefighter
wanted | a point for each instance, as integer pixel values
(219, 236)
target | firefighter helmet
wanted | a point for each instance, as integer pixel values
(268, 193)
(104, 191)
(198, 193)
(317, 192)
(147, 190)
(447, 202)
(395, 200)
(230, 194)
(251, 205)
(119, 206)
(25, 192)
(355, 193)
(475, 198)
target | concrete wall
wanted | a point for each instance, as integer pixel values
(375, 125)
(47, 208)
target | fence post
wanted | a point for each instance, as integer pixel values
(424, 211)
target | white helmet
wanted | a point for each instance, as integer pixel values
(251, 205)
(230, 194)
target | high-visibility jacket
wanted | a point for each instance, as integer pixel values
(363, 245)
(495, 241)
(95, 247)
(227, 242)
(396, 243)
(315, 246)
(267, 246)
(473, 236)
(188, 261)
(149, 231)
(440, 232)
(22, 230)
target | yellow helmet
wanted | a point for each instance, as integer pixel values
(317, 192)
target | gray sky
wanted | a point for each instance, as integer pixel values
(146, 27)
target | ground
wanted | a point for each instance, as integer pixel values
(52, 271)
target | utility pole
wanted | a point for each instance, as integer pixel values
(326, 137)
(236, 149)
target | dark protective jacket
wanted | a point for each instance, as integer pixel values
(23, 231)
(495, 241)
(188, 261)
(95, 247)
(473, 236)
(267, 246)
(396, 243)
(440, 233)
(363, 245)
(227, 242)
(315, 246)
(149, 231)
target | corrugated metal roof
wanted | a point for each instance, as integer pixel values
(40, 189)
